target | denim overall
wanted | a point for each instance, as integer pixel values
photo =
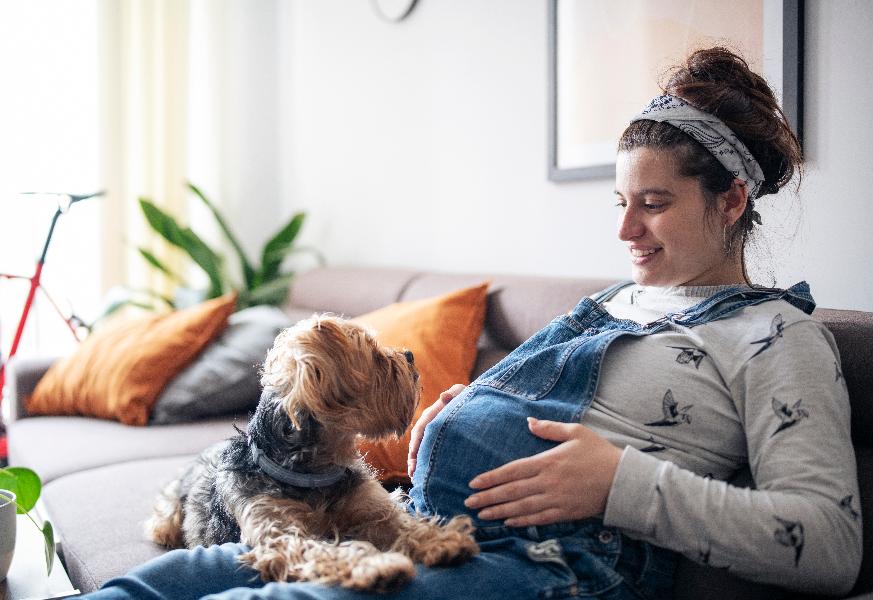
(553, 376)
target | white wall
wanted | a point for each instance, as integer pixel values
(834, 247)
(424, 144)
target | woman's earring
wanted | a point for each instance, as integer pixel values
(726, 242)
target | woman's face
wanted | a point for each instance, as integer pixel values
(670, 239)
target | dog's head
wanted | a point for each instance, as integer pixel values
(336, 371)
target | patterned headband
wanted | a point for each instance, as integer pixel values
(712, 134)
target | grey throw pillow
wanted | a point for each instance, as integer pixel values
(223, 379)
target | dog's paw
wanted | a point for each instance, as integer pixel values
(452, 545)
(383, 572)
(461, 524)
(164, 532)
(164, 527)
(270, 565)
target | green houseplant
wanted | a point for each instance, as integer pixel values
(258, 283)
(26, 486)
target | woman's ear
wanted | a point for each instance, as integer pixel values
(732, 203)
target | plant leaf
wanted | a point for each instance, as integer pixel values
(153, 294)
(185, 238)
(49, 535)
(247, 268)
(156, 263)
(319, 257)
(24, 483)
(163, 224)
(273, 292)
(278, 247)
(122, 296)
(116, 305)
(208, 260)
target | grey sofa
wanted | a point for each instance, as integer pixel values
(101, 477)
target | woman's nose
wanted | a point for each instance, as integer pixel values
(629, 226)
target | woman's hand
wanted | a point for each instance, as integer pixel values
(568, 482)
(426, 417)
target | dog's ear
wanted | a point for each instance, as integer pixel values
(305, 366)
(280, 369)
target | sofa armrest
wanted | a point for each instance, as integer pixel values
(22, 375)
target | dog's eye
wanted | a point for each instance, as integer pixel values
(410, 358)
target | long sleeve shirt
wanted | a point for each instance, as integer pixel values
(760, 392)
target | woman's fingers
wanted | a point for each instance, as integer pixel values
(417, 433)
(507, 492)
(554, 431)
(543, 517)
(523, 468)
(455, 390)
(428, 415)
(523, 507)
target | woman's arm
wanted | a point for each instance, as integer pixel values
(801, 527)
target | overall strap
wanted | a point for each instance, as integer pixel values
(607, 294)
(726, 302)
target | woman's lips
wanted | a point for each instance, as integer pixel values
(641, 256)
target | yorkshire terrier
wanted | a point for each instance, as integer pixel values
(294, 487)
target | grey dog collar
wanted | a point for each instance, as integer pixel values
(295, 478)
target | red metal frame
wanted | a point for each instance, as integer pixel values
(64, 203)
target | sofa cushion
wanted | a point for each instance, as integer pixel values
(853, 332)
(118, 372)
(224, 378)
(57, 446)
(441, 332)
(100, 513)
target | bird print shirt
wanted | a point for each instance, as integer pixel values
(759, 394)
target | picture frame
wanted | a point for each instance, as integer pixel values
(606, 58)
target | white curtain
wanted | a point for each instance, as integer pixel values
(191, 93)
(144, 92)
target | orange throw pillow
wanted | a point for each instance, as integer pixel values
(442, 333)
(118, 372)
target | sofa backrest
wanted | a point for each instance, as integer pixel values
(518, 306)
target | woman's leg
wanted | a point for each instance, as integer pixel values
(182, 574)
(502, 571)
(506, 569)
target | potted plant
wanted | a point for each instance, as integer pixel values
(256, 282)
(26, 486)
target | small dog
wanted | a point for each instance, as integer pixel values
(294, 487)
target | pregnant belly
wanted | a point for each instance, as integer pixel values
(481, 429)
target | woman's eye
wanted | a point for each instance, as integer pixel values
(653, 206)
(621, 204)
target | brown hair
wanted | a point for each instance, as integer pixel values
(719, 82)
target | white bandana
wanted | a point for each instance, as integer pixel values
(711, 133)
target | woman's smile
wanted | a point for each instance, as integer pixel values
(642, 255)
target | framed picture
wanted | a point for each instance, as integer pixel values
(606, 58)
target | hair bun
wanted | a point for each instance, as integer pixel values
(720, 82)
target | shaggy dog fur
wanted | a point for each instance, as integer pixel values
(326, 380)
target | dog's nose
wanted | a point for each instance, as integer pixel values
(409, 357)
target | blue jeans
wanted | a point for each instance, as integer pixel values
(558, 561)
